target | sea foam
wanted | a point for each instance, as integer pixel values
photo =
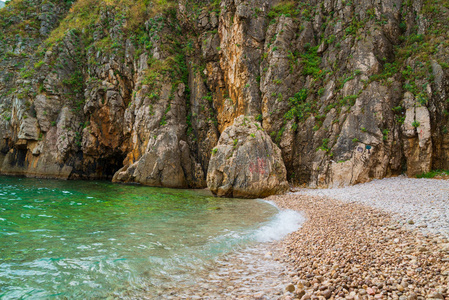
(283, 223)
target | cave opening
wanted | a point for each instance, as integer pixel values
(108, 166)
(20, 158)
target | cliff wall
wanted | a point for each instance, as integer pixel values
(141, 90)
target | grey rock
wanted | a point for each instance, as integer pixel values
(29, 129)
(246, 163)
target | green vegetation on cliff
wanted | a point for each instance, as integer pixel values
(141, 90)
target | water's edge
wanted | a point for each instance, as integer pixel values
(257, 271)
(75, 231)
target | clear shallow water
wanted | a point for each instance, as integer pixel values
(85, 239)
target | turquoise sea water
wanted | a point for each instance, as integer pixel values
(87, 239)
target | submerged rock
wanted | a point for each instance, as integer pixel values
(246, 163)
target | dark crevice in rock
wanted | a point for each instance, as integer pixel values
(20, 157)
(348, 91)
(102, 167)
(111, 165)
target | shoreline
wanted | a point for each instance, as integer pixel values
(355, 245)
(343, 250)
(352, 250)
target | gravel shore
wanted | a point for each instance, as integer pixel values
(423, 203)
(353, 251)
(386, 239)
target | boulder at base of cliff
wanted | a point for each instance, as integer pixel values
(246, 163)
(166, 163)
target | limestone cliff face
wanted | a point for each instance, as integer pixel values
(139, 91)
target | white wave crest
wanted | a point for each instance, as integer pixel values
(285, 222)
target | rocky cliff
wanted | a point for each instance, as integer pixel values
(143, 90)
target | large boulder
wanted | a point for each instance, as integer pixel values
(246, 163)
(166, 163)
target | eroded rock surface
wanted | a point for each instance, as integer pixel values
(142, 91)
(246, 163)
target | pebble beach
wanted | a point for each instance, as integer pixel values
(423, 203)
(386, 239)
(365, 245)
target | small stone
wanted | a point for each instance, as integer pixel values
(305, 297)
(259, 295)
(400, 288)
(436, 295)
(327, 294)
(300, 293)
(412, 296)
(411, 222)
(290, 288)
(370, 291)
